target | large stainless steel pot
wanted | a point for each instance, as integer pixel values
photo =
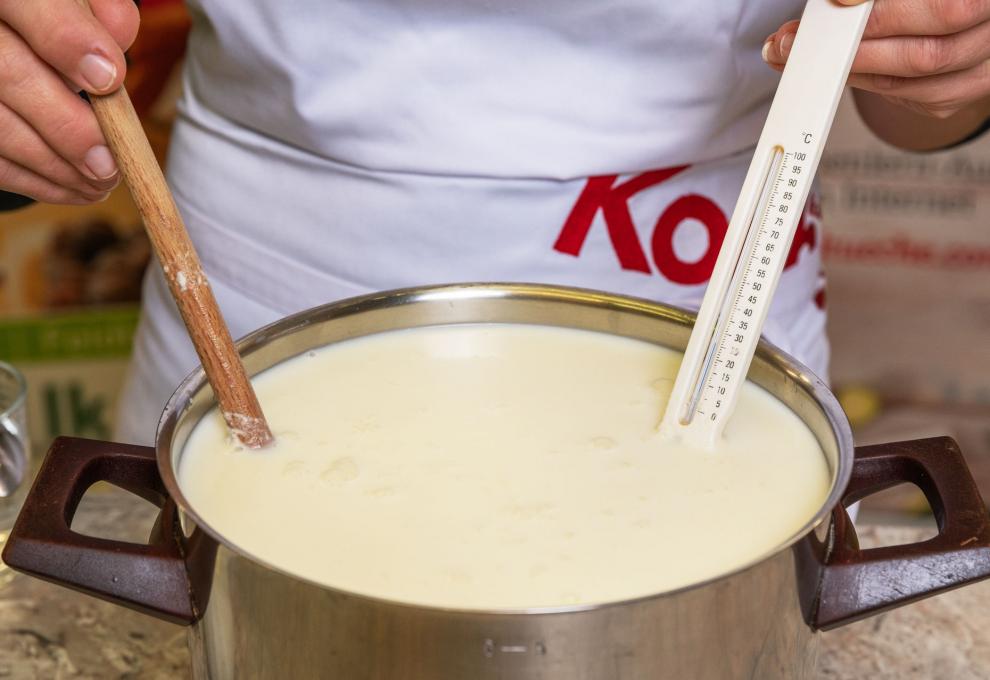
(248, 620)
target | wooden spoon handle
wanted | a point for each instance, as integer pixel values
(182, 268)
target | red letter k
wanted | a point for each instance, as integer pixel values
(599, 193)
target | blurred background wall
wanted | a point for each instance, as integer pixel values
(907, 254)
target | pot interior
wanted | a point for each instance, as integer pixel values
(780, 375)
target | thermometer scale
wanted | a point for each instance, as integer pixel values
(751, 260)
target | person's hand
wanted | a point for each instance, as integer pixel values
(51, 147)
(930, 56)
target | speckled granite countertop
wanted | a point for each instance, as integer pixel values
(51, 632)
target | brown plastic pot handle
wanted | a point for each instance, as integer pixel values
(853, 583)
(152, 578)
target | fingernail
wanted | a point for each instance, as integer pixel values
(100, 163)
(766, 50)
(99, 72)
(785, 44)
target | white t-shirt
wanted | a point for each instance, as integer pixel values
(329, 148)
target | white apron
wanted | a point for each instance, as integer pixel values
(329, 148)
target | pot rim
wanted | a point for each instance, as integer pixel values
(796, 371)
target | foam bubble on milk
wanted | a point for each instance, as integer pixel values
(499, 467)
(340, 470)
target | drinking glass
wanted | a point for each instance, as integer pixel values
(15, 453)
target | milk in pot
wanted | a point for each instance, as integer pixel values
(499, 466)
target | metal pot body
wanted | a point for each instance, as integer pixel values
(261, 623)
(264, 625)
(249, 620)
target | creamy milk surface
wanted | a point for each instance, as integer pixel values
(499, 466)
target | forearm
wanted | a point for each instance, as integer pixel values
(913, 131)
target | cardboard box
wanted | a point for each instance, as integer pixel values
(69, 287)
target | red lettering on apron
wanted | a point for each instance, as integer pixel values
(806, 234)
(687, 207)
(600, 194)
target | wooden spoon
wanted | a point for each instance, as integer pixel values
(182, 268)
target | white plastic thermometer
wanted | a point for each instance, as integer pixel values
(752, 257)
